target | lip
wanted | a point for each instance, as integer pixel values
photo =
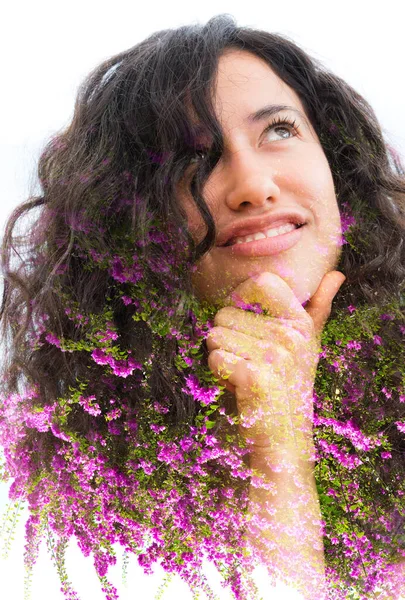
(262, 223)
(267, 246)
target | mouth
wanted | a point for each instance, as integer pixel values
(267, 245)
(233, 241)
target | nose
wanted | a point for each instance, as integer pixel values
(248, 180)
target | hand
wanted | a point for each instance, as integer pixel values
(269, 361)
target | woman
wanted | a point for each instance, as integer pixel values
(136, 246)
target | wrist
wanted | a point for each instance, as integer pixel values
(300, 448)
(284, 460)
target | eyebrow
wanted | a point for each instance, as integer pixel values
(271, 109)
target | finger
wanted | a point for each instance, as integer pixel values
(320, 305)
(241, 344)
(231, 388)
(251, 379)
(226, 384)
(260, 400)
(228, 366)
(272, 293)
(291, 333)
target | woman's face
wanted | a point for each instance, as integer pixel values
(260, 174)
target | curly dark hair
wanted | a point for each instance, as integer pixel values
(117, 166)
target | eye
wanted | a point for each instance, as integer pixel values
(276, 124)
(290, 126)
(198, 155)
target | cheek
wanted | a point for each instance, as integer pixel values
(213, 280)
(324, 206)
(333, 226)
(194, 219)
(328, 242)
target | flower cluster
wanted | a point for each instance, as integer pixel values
(107, 464)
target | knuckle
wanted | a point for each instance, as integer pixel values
(263, 345)
(305, 327)
(265, 278)
(222, 316)
(252, 372)
(294, 340)
(213, 359)
(308, 322)
(212, 333)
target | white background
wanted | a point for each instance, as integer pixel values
(48, 48)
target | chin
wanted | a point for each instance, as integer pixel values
(304, 296)
(301, 292)
(302, 288)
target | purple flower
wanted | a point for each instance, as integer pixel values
(96, 256)
(124, 274)
(350, 461)
(58, 433)
(40, 420)
(58, 463)
(227, 492)
(147, 466)
(89, 406)
(353, 344)
(100, 357)
(157, 428)
(169, 453)
(240, 303)
(204, 395)
(52, 339)
(114, 428)
(107, 335)
(186, 444)
(115, 413)
(160, 408)
(123, 368)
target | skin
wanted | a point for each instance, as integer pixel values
(268, 361)
(261, 172)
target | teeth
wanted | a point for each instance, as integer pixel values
(266, 234)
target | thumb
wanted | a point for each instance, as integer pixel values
(320, 305)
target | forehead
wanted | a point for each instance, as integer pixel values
(236, 67)
(245, 84)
